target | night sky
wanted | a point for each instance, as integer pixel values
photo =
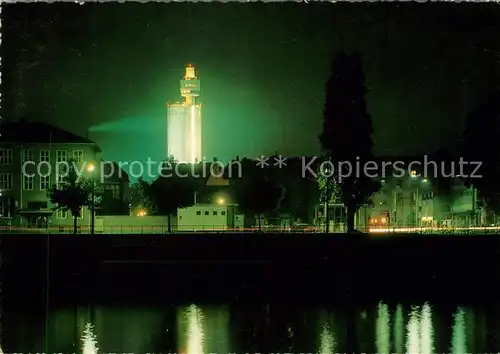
(110, 68)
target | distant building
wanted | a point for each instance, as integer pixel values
(184, 121)
(31, 154)
(209, 217)
(114, 190)
(38, 148)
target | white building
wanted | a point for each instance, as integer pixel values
(209, 217)
(184, 121)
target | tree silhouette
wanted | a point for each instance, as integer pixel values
(174, 190)
(480, 143)
(347, 130)
(256, 192)
(73, 193)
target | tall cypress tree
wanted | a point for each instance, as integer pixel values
(347, 130)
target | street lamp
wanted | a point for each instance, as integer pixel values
(91, 169)
(220, 201)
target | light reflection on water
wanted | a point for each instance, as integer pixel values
(195, 329)
(89, 340)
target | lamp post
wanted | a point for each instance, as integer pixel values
(91, 169)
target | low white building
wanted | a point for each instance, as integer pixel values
(209, 217)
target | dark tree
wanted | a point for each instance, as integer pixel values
(347, 130)
(73, 193)
(174, 190)
(301, 192)
(255, 190)
(481, 143)
(112, 206)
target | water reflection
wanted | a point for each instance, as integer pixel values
(458, 336)
(420, 336)
(203, 330)
(383, 329)
(89, 340)
(195, 329)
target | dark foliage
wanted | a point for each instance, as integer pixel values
(256, 190)
(481, 143)
(74, 193)
(347, 130)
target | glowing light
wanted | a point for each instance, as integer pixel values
(141, 213)
(383, 220)
(91, 167)
(383, 330)
(193, 134)
(220, 201)
(89, 340)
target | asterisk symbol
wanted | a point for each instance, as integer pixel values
(262, 161)
(280, 161)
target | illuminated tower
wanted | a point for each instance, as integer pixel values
(184, 121)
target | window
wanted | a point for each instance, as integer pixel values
(5, 156)
(62, 214)
(28, 183)
(5, 181)
(215, 213)
(28, 155)
(206, 213)
(198, 212)
(44, 182)
(222, 213)
(78, 155)
(59, 180)
(44, 156)
(62, 155)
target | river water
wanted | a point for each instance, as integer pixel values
(267, 328)
(329, 297)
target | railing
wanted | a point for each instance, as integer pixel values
(162, 229)
(152, 229)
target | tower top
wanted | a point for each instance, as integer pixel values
(190, 72)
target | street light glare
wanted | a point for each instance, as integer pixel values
(90, 168)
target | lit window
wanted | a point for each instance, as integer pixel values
(61, 214)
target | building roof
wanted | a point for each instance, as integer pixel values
(114, 172)
(38, 132)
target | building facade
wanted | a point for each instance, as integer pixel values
(184, 138)
(209, 217)
(33, 157)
